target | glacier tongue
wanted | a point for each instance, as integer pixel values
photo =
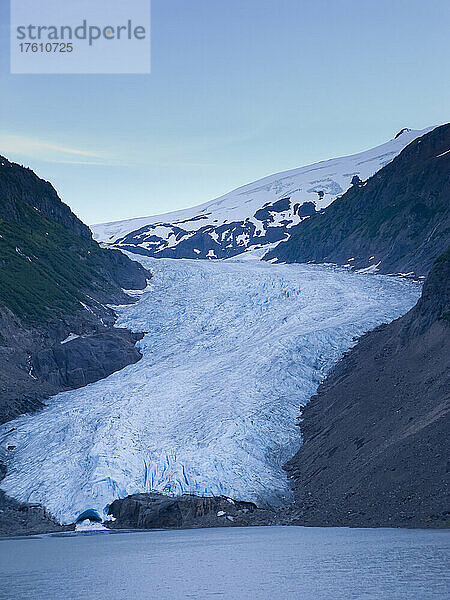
(233, 349)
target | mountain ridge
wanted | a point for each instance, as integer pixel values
(254, 215)
(56, 332)
(397, 221)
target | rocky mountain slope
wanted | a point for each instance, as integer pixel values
(55, 328)
(375, 437)
(396, 221)
(252, 216)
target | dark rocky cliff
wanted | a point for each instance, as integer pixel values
(153, 510)
(398, 219)
(375, 437)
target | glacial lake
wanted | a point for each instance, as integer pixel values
(275, 563)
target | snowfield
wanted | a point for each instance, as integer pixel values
(254, 215)
(233, 350)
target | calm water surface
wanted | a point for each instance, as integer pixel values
(276, 563)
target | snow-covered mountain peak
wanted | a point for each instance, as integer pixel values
(251, 216)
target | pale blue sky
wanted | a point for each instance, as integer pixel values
(239, 89)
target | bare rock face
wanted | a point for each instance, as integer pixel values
(86, 359)
(154, 511)
(25, 519)
(375, 437)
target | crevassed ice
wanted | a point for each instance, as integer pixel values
(233, 350)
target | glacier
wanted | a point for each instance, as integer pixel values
(232, 351)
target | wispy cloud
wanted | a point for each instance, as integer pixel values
(34, 148)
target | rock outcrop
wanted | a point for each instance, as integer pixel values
(25, 519)
(154, 511)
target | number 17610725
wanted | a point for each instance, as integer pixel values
(48, 47)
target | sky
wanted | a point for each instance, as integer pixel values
(239, 89)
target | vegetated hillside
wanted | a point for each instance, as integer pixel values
(254, 215)
(396, 221)
(375, 449)
(54, 281)
(49, 261)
